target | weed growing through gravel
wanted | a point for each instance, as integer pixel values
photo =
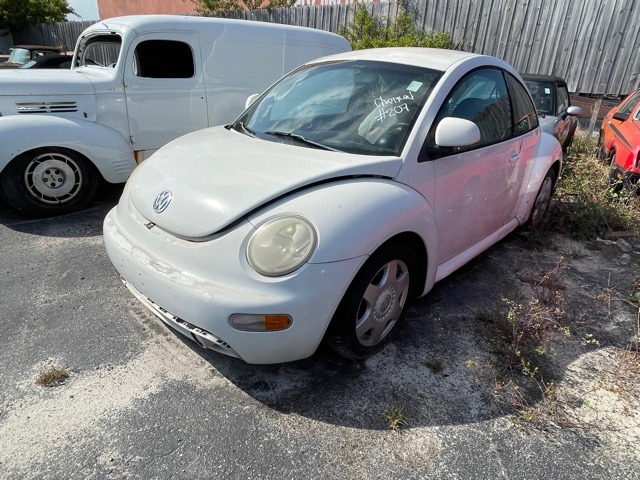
(395, 417)
(587, 205)
(528, 325)
(52, 376)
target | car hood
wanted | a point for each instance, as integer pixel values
(217, 176)
(26, 82)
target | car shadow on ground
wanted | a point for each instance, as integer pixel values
(447, 362)
(86, 223)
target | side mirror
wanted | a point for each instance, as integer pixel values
(574, 111)
(251, 99)
(456, 132)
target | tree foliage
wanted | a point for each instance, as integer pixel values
(15, 14)
(368, 31)
(215, 7)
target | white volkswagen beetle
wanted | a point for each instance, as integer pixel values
(352, 184)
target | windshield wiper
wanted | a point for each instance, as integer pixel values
(301, 139)
(238, 126)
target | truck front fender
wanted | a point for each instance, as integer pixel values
(106, 148)
(354, 217)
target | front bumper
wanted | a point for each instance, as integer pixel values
(196, 287)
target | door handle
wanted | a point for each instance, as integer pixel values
(514, 157)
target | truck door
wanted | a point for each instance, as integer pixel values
(164, 89)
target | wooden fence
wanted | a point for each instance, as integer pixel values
(593, 44)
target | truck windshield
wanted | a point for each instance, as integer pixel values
(364, 107)
(99, 51)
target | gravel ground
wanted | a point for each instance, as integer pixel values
(142, 402)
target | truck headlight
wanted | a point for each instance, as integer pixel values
(281, 246)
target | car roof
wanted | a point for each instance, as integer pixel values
(433, 58)
(543, 78)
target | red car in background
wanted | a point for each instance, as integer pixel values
(619, 141)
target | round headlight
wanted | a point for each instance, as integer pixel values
(281, 245)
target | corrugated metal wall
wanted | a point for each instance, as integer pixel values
(593, 44)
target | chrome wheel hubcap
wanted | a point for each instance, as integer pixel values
(382, 303)
(53, 178)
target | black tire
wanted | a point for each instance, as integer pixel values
(601, 153)
(616, 181)
(568, 141)
(541, 204)
(48, 181)
(373, 305)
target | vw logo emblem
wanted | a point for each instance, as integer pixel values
(162, 201)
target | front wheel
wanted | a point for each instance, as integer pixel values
(374, 303)
(48, 181)
(543, 200)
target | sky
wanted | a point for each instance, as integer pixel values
(86, 9)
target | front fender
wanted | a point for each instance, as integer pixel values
(548, 154)
(106, 148)
(354, 217)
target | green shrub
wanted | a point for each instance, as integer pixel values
(368, 31)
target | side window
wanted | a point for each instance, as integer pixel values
(525, 118)
(99, 51)
(563, 99)
(164, 59)
(481, 97)
(630, 103)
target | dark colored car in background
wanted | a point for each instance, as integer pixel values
(21, 54)
(551, 97)
(50, 61)
(619, 141)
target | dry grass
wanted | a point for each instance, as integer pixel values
(52, 376)
(395, 417)
(587, 205)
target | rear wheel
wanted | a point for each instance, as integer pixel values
(543, 200)
(48, 181)
(374, 303)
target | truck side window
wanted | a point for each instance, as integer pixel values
(164, 59)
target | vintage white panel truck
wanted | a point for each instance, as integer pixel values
(137, 83)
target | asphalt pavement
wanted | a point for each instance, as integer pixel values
(143, 402)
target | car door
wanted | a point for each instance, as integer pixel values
(476, 188)
(164, 89)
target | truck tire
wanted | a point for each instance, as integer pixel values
(48, 181)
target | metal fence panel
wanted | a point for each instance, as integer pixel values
(593, 44)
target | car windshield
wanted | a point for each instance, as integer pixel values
(19, 56)
(361, 107)
(542, 93)
(99, 51)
